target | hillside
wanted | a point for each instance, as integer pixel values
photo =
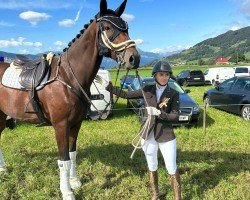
(223, 45)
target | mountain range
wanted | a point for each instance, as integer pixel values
(107, 63)
(223, 45)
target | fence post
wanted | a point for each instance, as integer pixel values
(204, 117)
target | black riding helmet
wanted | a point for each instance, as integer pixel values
(161, 66)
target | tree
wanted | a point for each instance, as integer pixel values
(237, 57)
(211, 61)
(201, 62)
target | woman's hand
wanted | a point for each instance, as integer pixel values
(101, 81)
(153, 111)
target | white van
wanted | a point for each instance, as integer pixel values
(100, 97)
(242, 71)
(217, 75)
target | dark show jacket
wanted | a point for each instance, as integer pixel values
(162, 125)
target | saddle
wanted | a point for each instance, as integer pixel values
(33, 71)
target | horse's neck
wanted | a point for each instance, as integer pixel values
(83, 56)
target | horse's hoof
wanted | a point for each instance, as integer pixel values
(68, 196)
(75, 183)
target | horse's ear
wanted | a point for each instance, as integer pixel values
(103, 7)
(121, 8)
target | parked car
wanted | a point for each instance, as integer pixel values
(190, 77)
(242, 71)
(217, 75)
(128, 81)
(233, 95)
(189, 109)
(100, 97)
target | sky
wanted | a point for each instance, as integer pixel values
(159, 26)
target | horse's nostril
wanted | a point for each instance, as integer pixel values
(132, 59)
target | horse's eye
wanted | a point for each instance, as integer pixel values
(107, 28)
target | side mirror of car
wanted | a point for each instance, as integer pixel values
(187, 91)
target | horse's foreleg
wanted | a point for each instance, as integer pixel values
(2, 126)
(74, 180)
(64, 164)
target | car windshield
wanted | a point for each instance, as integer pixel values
(196, 73)
(206, 72)
(129, 77)
(150, 81)
(241, 70)
(174, 85)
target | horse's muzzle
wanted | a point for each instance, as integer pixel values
(132, 59)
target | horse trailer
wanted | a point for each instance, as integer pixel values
(100, 97)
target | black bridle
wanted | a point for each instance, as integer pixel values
(105, 46)
(118, 24)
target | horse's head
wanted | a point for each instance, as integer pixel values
(113, 37)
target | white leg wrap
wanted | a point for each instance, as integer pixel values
(2, 165)
(74, 181)
(65, 188)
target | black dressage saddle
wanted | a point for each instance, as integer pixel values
(32, 74)
(33, 71)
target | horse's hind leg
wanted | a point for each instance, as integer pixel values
(2, 126)
(74, 180)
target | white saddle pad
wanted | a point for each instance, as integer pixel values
(10, 79)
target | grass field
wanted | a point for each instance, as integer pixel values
(213, 166)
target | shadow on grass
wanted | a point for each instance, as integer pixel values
(209, 121)
(224, 165)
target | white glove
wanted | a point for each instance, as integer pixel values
(153, 111)
(101, 81)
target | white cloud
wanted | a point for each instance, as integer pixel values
(66, 23)
(169, 49)
(70, 22)
(128, 17)
(6, 24)
(59, 43)
(138, 41)
(237, 25)
(23, 51)
(19, 43)
(34, 17)
(78, 14)
(37, 44)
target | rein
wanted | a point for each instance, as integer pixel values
(145, 127)
(119, 50)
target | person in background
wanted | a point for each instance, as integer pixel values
(162, 109)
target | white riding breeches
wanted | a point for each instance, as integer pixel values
(168, 150)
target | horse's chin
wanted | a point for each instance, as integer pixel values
(129, 66)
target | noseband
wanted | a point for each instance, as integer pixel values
(106, 43)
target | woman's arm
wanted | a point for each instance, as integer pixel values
(124, 94)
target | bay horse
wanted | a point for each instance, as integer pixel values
(62, 101)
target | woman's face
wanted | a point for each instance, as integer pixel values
(162, 77)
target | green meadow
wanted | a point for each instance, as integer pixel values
(213, 165)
